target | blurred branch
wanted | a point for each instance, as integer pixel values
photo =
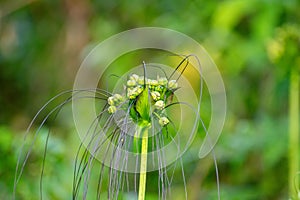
(201, 171)
(77, 34)
(12, 6)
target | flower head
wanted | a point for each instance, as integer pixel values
(143, 93)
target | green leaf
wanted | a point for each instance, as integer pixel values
(143, 105)
(133, 113)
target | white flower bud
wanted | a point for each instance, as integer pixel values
(153, 82)
(134, 92)
(111, 101)
(131, 83)
(134, 77)
(162, 81)
(172, 84)
(141, 80)
(160, 105)
(118, 97)
(115, 100)
(155, 95)
(163, 121)
(112, 109)
(130, 93)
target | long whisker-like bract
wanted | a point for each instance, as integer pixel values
(138, 122)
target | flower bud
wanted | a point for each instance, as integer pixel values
(131, 93)
(139, 89)
(111, 101)
(153, 82)
(172, 84)
(141, 80)
(118, 99)
(162, 81)
(134, 77)
(163, 121)
(159, 88)
(131, 83)
(160, 105)
(115, 100)
(155, 95)
(112, 109)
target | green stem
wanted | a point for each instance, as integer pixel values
(294, 132)
(143, 166)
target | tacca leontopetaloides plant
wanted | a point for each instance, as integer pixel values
(143, 102)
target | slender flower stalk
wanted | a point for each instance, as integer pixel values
(147, 100)
(143, 166)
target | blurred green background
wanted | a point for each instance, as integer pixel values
(254, 43)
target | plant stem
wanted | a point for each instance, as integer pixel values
(294, 132)
(143, 166)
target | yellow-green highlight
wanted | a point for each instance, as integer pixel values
(294, 133)
(143, 166)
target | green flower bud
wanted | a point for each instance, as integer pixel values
(160, 105)
(153, 82)
(118, 99)
(139, 89)
(141, 80)
(155, 95)
(134, 77)
(112, 109)
(131, 83)
(172, 84)
(115, 100)
(162, 81)
(163, 121)
(159, 88)
(132, 93)
(111, 101)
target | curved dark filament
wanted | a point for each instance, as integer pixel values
(88, 153)
(111, 132)
(19, 172)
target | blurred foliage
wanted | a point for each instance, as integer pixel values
(42, 43)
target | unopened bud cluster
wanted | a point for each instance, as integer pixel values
(135, 85)
(114, 101)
